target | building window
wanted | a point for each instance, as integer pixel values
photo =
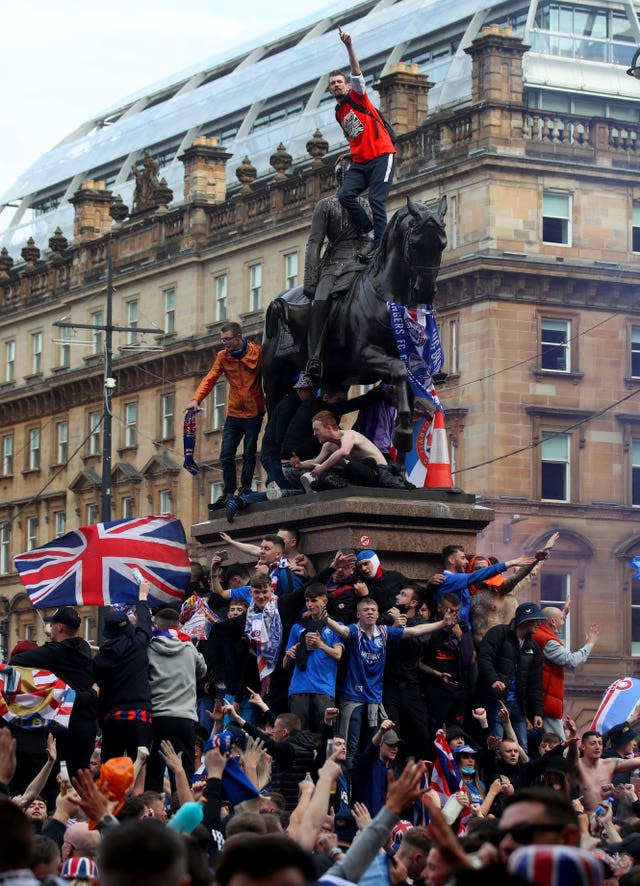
(91, 629)
(7, 455)
(130, 419)
(635, 473)
(32, 533)
(635, 228)
(554, 591)
(9, 360)
(556, 219)
(36, 353)
(217, 489)
(5, 549)
(555, 345)
(132, 322)
(166, 430)
(291, 270)
(64, 355)
(554, 462)
(635, 616)
(97, 342)
(255, 287)
(221, 297)
(165, 501)
(62, 442)
(128, 507)
(59, 523)
(219, 404)
(635, 351)
(95, 420)
(451, 350)
(33, 459)
(92, 513)
(169, 311)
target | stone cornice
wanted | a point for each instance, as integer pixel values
(480, 276)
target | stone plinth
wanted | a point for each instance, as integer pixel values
(408, 529)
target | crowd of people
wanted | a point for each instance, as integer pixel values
(287, 725)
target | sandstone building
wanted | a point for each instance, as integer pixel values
(522, 114)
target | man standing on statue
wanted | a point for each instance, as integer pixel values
(371, 145)
(330, 222)
(240, 360)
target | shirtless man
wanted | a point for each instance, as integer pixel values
(592, 771)
(338, 447)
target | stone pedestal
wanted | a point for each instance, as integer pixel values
(407, 529)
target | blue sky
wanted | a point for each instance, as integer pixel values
(63, 62)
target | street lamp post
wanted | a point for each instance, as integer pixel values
(109, 381)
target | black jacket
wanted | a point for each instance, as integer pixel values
(279, 420)
(385, 589)
(71, 661)
(122, 667)
(291, 760)
(500, 657)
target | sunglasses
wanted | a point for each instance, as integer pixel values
(524, 833)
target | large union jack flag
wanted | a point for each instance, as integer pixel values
(93, 565)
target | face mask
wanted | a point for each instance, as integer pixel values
(467, 770)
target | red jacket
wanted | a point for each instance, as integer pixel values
(367, 136)
(246, 399)
(552, 674)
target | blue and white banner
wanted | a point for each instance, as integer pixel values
(618, 703)
(416, 335)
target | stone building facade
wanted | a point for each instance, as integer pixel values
(538, 306)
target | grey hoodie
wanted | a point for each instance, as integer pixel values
(174, 666)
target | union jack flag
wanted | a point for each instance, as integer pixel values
(33, 698)
(93, 565)
(445, 777)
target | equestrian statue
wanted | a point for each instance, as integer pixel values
(356, 342)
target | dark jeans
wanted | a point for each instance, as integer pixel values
(310, 707)
(272, 465)
(182, 735)
(377, 176)
(407, 708)
(235, 429)
(122, 738)
(76, 745)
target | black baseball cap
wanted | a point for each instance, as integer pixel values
(64, 615)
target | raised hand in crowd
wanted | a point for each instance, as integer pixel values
(592, 634)
(331, 715)
(170, 757)
(215, 762)
(256, 699)
(93, 800)
(67, 805)
(251, 756)
(480, 714)
(361, 815)
(408, 788)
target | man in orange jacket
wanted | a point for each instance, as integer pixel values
(555, 658)
(240, 360)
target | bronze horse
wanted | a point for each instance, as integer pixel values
(359, 346)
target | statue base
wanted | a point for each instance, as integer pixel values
(406, 528)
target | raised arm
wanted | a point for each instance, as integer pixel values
(429, 627)
(336, 627)
(245, 547)
(354, 64)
